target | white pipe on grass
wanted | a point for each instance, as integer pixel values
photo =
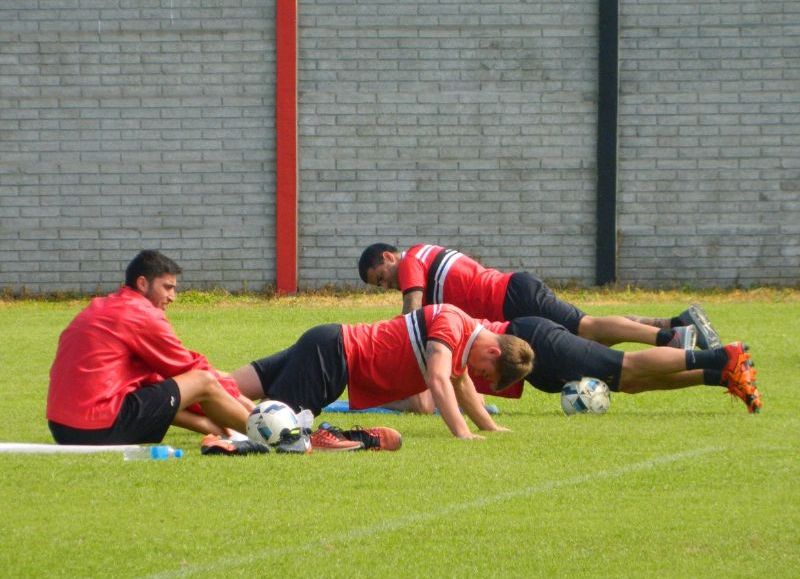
(35, 448)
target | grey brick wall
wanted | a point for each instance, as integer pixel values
(466, 123)
(709, 180)
(127, 124)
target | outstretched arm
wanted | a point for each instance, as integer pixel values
(472, 403)
(437, 377)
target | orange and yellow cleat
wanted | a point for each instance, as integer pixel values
(739, 376)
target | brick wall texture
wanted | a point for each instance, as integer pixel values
(130, 124)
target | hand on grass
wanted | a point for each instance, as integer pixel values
(472, 436)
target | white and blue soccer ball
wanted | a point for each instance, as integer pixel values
(268, 421)
(585, 396)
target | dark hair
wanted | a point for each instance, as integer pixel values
(151, 264)
(372, 257)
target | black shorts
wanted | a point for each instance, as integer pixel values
(310, 374)
(527, 295)
(561, 356)
(145, 417)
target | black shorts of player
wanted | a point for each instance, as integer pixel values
(527, 295)
(145, 416)
(561, 356)
(308, 375)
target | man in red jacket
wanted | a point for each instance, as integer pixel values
(122, 376)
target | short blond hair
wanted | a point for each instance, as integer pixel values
(515, 362)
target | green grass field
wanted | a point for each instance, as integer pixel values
(681, 484)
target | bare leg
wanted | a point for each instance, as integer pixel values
(197, 423)
(657, 369)
(610, 330)
(421, 403)
(219, 406)
(246, 402)
(672, 381)
(660, 323)
(249, 383)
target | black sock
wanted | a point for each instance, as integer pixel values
(706, 359)
(675, 322)
(712, 377)
(663, 337)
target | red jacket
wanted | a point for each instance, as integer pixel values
(116, 345)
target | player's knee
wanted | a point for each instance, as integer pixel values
(630, 376)
(423, 407)
(424, 410)
(587, 327)
(206, 383)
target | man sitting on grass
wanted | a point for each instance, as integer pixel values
(427, 350)
(122, 376)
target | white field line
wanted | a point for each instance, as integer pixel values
(446, 510)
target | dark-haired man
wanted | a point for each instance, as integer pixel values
(122, 376)
(431, 274)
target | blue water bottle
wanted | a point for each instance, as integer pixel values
(159, 452)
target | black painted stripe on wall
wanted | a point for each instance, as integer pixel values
(607, 104)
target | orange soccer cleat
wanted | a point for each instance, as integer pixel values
(376, 437)
(328, 438)
(739, 376)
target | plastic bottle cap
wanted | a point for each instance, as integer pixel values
(178, 453)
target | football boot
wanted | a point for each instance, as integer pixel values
(295, 441)
(328, 438)
(739, 376)
(375, 438)
(683, 337)
(214, 444)
(707, 336)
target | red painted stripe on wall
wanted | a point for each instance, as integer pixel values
(286, 145)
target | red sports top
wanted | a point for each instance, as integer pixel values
(119, 343)
(386, 360)
(448, 276)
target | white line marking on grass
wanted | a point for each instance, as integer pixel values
(447, 510)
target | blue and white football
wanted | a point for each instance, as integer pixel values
(268, 420)
(585, 396)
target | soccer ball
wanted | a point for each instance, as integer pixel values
(268, 420)
(587, 395)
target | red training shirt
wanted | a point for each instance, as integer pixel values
(116, 345)
(386, 360)
(448, 276)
